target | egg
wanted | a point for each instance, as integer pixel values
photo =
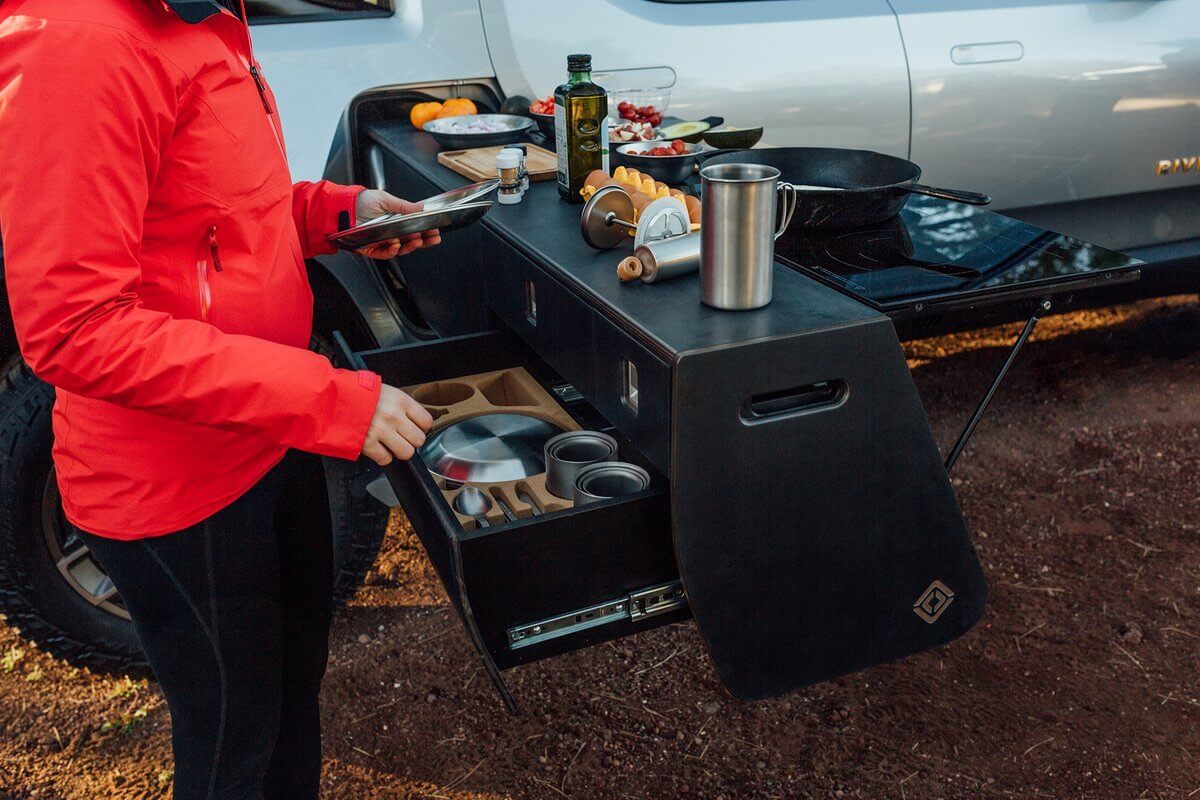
(640, 201)
(647, 186)
(596, 177)
(693, 208)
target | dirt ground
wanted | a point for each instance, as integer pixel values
(1081, 491)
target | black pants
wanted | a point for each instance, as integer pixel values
(234, 614)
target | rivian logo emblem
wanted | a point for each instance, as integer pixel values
(933, 601)
(1170, 166)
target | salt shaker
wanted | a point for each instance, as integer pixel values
(508, 168)
(520, 148)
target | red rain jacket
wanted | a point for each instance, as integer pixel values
(154, 248)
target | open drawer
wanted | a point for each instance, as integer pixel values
(546, 584)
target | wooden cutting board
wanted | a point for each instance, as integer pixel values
(479, 163)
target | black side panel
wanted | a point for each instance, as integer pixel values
(812, 511)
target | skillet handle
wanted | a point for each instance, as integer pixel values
(954, 195)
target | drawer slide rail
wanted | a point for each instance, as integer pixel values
(641, 604)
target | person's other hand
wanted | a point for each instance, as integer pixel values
(397, 429)
(374, 203)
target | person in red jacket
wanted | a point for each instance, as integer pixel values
(155, 248)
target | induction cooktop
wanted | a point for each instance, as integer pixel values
(938, 252)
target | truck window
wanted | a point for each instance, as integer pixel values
(269, 11)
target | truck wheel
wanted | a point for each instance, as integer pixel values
(55, 594)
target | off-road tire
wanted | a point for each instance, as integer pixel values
(39, 602)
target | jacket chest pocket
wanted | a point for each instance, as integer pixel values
(227, 150)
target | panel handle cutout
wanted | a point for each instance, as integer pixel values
(820, 396)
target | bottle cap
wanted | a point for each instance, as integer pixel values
(579, 62)
(508, 158)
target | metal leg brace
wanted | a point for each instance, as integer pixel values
(956, 451)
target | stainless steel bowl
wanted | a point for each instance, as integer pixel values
(673, 170)
(569, 453)
(609, 479)
(512, 129)
(489, 449)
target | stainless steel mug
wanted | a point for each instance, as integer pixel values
(739, 205)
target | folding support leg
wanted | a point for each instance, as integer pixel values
(956, 451)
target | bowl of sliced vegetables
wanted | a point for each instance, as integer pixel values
(542, 112)
(478, 130)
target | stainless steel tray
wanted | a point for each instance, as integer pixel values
(390, 226)
(463, 194)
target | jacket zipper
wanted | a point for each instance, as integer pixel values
(209, 254)
(253, 65)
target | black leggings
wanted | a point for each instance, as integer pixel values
(234, 614)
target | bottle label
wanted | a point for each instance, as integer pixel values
(560, 142)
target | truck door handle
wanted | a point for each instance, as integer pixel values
(987, 53)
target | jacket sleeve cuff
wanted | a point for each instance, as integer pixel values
(358, 395)
(339, 213)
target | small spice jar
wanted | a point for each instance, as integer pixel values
(520, 148)
(508, 169)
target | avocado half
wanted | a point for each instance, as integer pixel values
(733, 138)
(687, 131)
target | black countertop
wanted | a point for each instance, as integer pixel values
(668, 314)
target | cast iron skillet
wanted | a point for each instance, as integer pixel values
(865, 187)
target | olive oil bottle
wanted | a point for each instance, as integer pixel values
(580, 127)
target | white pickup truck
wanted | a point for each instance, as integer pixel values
(1080, 117)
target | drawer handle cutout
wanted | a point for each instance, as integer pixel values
(820, 396)
(531, 309)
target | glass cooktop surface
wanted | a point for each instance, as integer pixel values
(937, 250)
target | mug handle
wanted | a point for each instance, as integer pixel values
(788, 200)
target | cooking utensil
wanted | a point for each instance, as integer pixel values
(738, 233)
(840, 188)
(463, 194)
(662, 218)
(389, 226)
(609, 479)
(667, 258)
(447, 130)
(534, 509)
(673, 170)
(607, 217)
(568, 453)
(491, 448)
(508, 512)
(474, 503)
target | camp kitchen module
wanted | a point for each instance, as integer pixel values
(798, 508)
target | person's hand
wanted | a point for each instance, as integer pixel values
(397, 429)
(374, 203)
